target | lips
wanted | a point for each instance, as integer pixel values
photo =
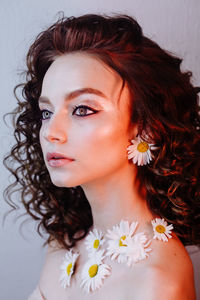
(56, 156)
(58, 160)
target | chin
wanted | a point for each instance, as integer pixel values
(59, 182)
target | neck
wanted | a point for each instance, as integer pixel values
(116, 197)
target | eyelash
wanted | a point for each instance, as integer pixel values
(75, 108)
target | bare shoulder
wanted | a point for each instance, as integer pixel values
(168, 273)
(50, 270)
(159, 283)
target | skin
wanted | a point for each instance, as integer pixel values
(97, 143)
(106, 176)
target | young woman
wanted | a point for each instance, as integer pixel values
(108, 144)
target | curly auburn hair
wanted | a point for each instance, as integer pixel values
(164, 103)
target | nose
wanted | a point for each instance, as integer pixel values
(56, 138)
(56, 131)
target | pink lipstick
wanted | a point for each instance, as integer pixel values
(56, 159)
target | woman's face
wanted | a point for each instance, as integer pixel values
(86, 117)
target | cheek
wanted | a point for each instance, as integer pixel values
(41, 138)
(42, 142)
(103, 142)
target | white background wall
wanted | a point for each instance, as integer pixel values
(174, 24)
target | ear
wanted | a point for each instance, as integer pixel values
(133, 131)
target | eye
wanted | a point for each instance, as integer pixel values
(82, 110)
(45, 114)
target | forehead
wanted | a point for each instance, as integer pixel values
(79, 70)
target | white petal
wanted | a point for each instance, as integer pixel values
(139, 159)
(133, 227)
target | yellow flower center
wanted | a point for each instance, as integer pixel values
(142, 147)
(160, 228)
(68, 269)
(121, 241)
(93, 270)
(96, 244)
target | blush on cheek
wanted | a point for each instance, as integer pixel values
(106, 145)
(100, 139)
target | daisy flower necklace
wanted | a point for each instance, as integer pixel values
(122, 243)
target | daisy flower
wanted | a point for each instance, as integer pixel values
(140, 151)
(117, 249)
(137, 248)
(94, 272)
(67, 268)
(162, 231)
(94, 241)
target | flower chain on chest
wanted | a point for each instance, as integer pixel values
(124, 245)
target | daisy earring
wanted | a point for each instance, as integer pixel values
(140, 151)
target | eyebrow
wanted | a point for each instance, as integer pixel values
(75, 94)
